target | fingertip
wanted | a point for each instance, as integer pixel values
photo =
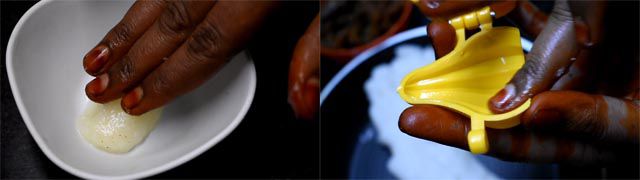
(96, 88)
(505, 100)
(436, 124)
(418, 120)
(408, 120)
(497, 102)
(133, 112)
(502, 8)
(438, 27)
(95, 60)
(528, 117)
(88, 92)
(547, 110)
(131, 100)
(305, 101)
(443, 37)
(540, 117)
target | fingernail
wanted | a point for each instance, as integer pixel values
(96, 58)
(501, 100)
(98, 85)
(132, 99)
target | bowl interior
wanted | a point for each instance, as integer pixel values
(44, 63)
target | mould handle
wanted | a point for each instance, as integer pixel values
(477, 137)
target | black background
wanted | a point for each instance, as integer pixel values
(268, 143)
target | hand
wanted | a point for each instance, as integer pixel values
(442, 34)
(304, 83)
(163, 49)
(560, 126)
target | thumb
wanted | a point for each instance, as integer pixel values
(550, 56)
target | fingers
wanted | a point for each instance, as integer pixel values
(578, 76)
(118, 40)
(530, 17)
(167, 33)
(447, 9)
(444, 10)
(595, 116)
(442, 34)
(222, 34)
(304, 83)
(550, 56)
(590, 21)
(443, 37)
(436, 124)
(449, 128)
(502, 8)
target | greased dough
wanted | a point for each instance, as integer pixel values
(109, 128)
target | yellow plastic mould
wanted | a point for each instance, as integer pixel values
(465, 79)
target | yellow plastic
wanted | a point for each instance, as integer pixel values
(465, 79)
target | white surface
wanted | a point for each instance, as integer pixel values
(413, 158)
(362, 57)
(44, 65)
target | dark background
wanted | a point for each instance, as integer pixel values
(268, 143)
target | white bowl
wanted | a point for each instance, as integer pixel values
(44, 65)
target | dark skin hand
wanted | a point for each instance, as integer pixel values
(579, 114)
(163, 49)
(304, 82)
(442, 34)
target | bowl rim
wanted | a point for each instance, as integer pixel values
(344, 55)
(142, 174)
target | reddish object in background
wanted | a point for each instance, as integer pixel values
(344, 55)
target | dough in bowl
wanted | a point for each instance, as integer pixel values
(109, 128)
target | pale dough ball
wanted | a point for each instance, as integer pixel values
(109, 128)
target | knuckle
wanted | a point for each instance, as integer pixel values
(121, 33)
(176, 19)
(160, 84)
(127, 71)
(534, 69)
(205, 43)
(561, 12)
(599, 124)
